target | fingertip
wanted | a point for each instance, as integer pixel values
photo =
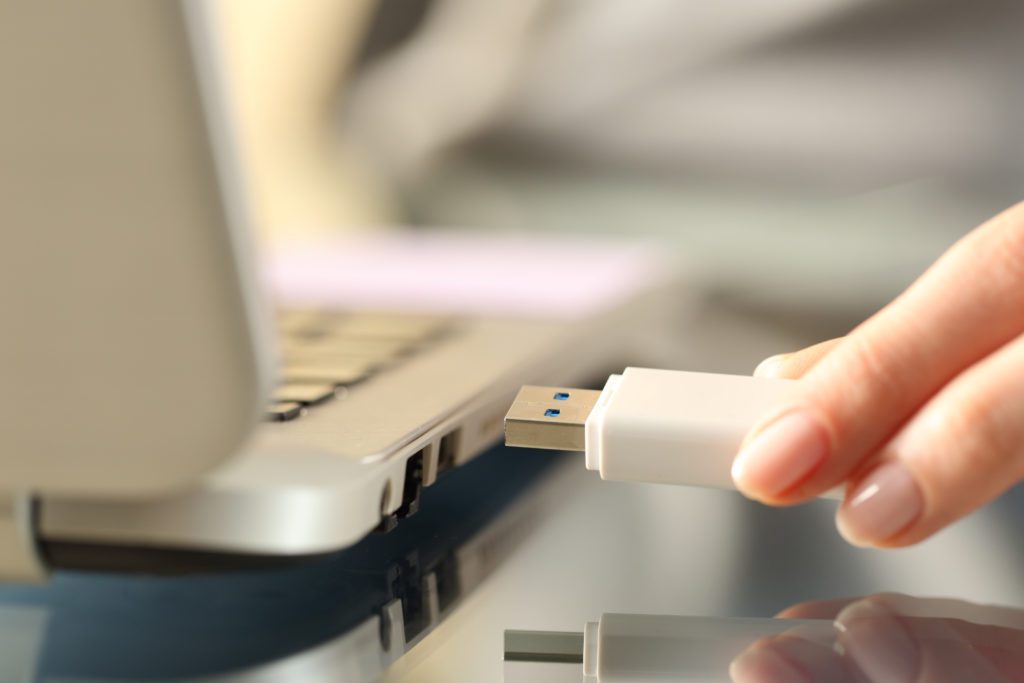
(882, 507)
(780, 455)
(878, 642)
(771, 366)
(791, 612)
(850, 536)
(761, 663)
(814, 609)
(795, 364)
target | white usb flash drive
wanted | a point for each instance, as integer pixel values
(655, 426)
(629, 648)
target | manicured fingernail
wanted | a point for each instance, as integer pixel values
(760, 664)
(780, 455)
(771, 366)
(875, 640)
(885, 503)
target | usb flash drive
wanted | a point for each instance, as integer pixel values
(625, 648)
(655, 426)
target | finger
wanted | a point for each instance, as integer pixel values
(785, 658)
(815, 609)
(759, 664)
(858, 396)
(992, 626)
(886, 646)
(956, 650)
(964, 448)
(795, 364)
(950, 608)
(912, 606)
(1003, 647)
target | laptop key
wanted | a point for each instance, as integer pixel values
(284, 411)
(325, 373)
(291, 321)
(341, 347)
(309, 325)
(407, 328)
(305, 393)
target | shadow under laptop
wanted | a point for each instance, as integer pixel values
(345, 616)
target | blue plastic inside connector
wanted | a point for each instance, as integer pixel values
(562, 396)
(552, 412)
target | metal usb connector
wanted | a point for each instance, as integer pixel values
(544, 646)
(550, 417)
(656, 426)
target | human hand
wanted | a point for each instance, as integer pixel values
(891, 639)
(919, 411)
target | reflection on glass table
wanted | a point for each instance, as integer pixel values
(885, 638)
(345, 617)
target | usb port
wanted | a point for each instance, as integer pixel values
(412, 487)
(448, 450)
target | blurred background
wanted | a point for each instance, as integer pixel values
(805, 159)
(802, 161)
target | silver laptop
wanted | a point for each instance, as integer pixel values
(347, 617)
(153, 396)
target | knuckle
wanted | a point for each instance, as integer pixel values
(896, 603)
(861, 382)
(1010, 248)
(849, 396)
(1001, 243)
(981, 439)
(875, 372)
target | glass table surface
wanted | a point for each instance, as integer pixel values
(515, 540)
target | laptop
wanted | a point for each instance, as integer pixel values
(167, 388)
(348, 616)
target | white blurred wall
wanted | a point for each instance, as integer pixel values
(287, 62)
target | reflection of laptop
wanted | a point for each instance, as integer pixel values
(137, 362)
(345, 617)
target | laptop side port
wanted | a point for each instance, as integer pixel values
(448, 588)
(412, 490)
(419, 598)
(448, 451)
(430, 463)
(412, 487)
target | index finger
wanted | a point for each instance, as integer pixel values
(967, 305)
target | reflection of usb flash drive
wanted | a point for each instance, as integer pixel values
(628, 648)
(656, 426)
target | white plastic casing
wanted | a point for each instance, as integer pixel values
(627, 648)
(673, 427)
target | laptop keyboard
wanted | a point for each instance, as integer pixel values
(325, 352)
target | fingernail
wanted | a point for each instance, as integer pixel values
(885, 503)
(771, 366)
(761, 664)
(877, 642)
(780, 455)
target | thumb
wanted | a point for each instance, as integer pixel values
(795, 364)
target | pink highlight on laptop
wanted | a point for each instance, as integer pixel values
(463, 273)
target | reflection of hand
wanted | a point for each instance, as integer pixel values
(919, 411)
(889, 639)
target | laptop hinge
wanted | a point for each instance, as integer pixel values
(19, 555)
